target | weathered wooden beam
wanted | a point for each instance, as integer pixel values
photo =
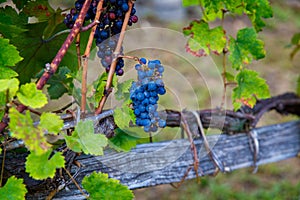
(166, 162)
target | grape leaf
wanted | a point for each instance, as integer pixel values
(60, 83)
(13, 189)
(99, 86)
(39, 9)
(9, 55)
(122, 141)
(84, 139)
(256, 10)
(123, 90)
(250, 87)
(51, 122)
(245, 47)
(295, 41)
(11, 23)
(22, 127)
(229, 77)
(42, 49)
(123, 116)
(203, 39)
(43, 166)
(9, 84)
(186, 3)
(20, 3)
(7, 73)
(99, 186)
(29, 95)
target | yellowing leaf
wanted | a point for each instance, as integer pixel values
(43, 166)
(203, 39)
(250, 86)
(99, 186)
(9, 84)
(245, 47)
(29, 95)
(51, 122)
(13, 189)
(22, 128)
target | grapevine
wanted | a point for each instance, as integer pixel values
(50, 142)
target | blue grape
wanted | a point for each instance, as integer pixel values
(144, 94)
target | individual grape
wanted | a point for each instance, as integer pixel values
(144, 94)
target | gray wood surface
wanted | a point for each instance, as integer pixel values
(166, 162)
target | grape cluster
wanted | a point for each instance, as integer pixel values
(111, 22)
(144, 94)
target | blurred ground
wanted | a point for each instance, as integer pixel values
(273, 181)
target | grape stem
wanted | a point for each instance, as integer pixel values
(114, 63)
(57, 59)
(86, 58)
(135, 58)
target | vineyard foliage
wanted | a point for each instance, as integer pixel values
(32, 32)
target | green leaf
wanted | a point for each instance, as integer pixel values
(9, 84)
(84, 139)
(186, 3)
(203, 39)
(256, 10)
(123, 90)
(296, 39)
(60, 83)
(29, 95)
(9, 55)
(12, 24)
(7, 73)
(13, 189)
(99, 186)
(123, 116)
(99, 85)
(22, 128)
(43, 166)
(20, 3)
(122, 141)
(250, 87)
(245, 47)
(229, 76)
(51, 122)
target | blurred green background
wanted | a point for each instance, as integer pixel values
(273, 181)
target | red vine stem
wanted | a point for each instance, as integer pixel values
(86, 59)
(57, 59)
(114, 63)
(77, 43)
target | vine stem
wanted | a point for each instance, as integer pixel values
(114, 63)
(224, 65)
(57, 59)
(77, 43)
(86, 59)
